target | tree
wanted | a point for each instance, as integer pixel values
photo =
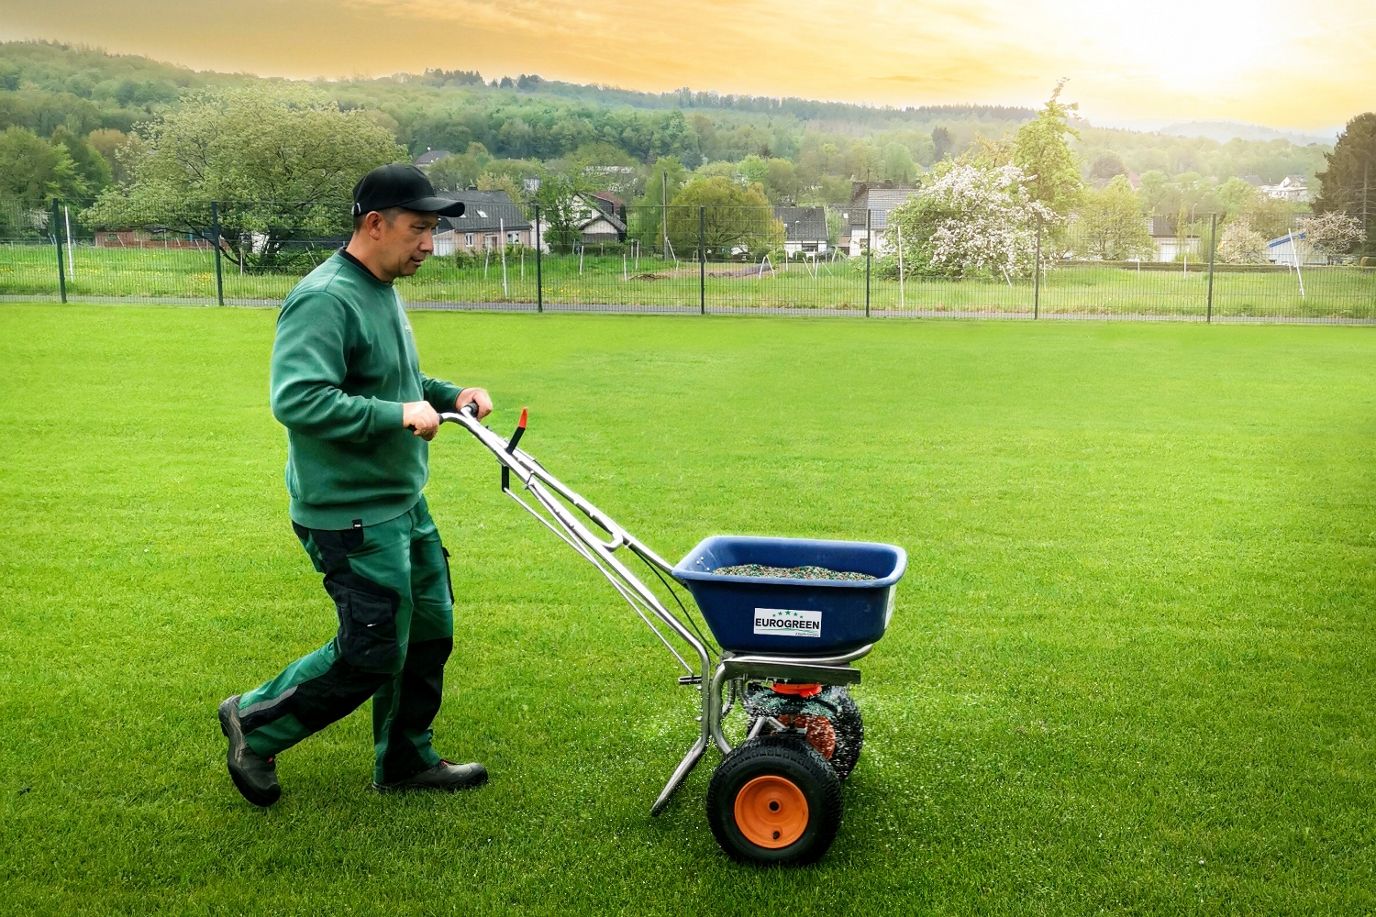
(1269, 216)
(1042, 151)
(457, 171)
(605, 167)
(281, 165)
(26, 165)
(752, 170)
(496, 181)
(830, 189)
(519, 172)
(111, 145)
(598, 155)
(863, 161)
(559, 199)
(91, 168)
(735, 221)
(1105, 167)
(1112, 225)
(1239, 243)
(969, 221)
(897, 165)
(718, 169)
(649, 214)
(33, 172)
(515, 137)
(1236, 197)
(42, 111)
(1348, 185)
(941, 142)
(1155, 188)
(10, 76)
(672, 136)
(1186, 200)
(777, 178)
(781, 180)
(1332, 233)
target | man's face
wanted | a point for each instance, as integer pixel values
(405, 241)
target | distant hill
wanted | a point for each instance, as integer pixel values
(1223, 131)
(688, 98)
(140, 83)
(46, 86)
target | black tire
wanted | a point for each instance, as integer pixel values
(850, 730)
(843, 715)
(774, 801)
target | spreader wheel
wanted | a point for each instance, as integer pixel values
(773, 800)
(850, 730)
(830, 721)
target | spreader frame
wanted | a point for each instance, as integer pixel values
(711, 670)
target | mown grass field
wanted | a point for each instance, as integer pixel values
(1340, 293)
(1130, 668)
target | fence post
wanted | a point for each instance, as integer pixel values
(55, 224)
(702, 259)
(869, 240)
(539, 276)
(1037, 276)
(215, 240)
(1213, 247)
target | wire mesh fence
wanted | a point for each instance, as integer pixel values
(791, 260)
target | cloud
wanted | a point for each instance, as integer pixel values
(1249, 59)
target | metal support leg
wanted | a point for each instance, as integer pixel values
(681, 773)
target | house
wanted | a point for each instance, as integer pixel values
(805, 230)
(875, 201)
(1291, 188)
(427, 159)
(1291, 249)
(489, 220)
(600, 217)
(1172, 244)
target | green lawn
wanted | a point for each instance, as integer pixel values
(1130, 668)
(1344, 293)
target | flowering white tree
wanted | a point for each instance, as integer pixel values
(1332, 233)
(1239, 243)
(970, 221)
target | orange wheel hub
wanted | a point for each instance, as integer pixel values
(771, 812)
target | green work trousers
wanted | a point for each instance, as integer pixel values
(391, 588)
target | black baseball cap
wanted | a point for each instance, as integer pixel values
(400, 184)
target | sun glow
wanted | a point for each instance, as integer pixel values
(1196, 46)
(1258, 60)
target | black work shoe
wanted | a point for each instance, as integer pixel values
(444, 776)
(254, 775)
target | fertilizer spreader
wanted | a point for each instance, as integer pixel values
(784, 648)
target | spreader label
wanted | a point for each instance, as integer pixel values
(784, 622)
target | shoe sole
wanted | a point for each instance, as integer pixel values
(423, 788)
(230, 727)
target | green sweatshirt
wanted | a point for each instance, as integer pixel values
(343, 362)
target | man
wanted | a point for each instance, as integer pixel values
(346, 384)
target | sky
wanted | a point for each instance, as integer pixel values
(1146, 64)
